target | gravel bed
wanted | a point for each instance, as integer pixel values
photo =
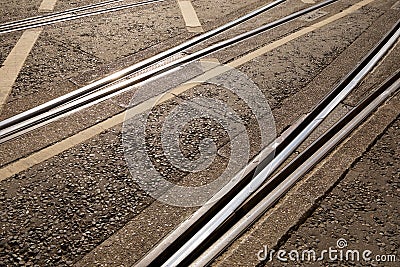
(59, 210)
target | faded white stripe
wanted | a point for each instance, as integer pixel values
(47, 5)
(15, 61)
(192, 22)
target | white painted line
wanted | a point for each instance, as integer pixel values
(47, 5)
(190, 17)
(15, 61)
(308, 1)
(53, 150)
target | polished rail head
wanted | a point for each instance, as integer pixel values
(76, 16)
(54, 14)
(27, 115)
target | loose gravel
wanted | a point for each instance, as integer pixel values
(55, 215)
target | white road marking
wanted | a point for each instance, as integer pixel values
(47, 5)
(308, 1)
(190, 17)
(15, 61)
(55, 149)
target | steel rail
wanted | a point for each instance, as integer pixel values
(55, 14)
(184, 231)
(78, 16)
(11, 130)
(193, 245)
(262, 200)
(132, 69)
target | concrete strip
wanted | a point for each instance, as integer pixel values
(189, 15)
(47, 5)
(15, 61)
(57, 148)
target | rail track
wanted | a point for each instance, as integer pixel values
(119, 81)
(67, 15)
(202, 237)
(270, 192)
